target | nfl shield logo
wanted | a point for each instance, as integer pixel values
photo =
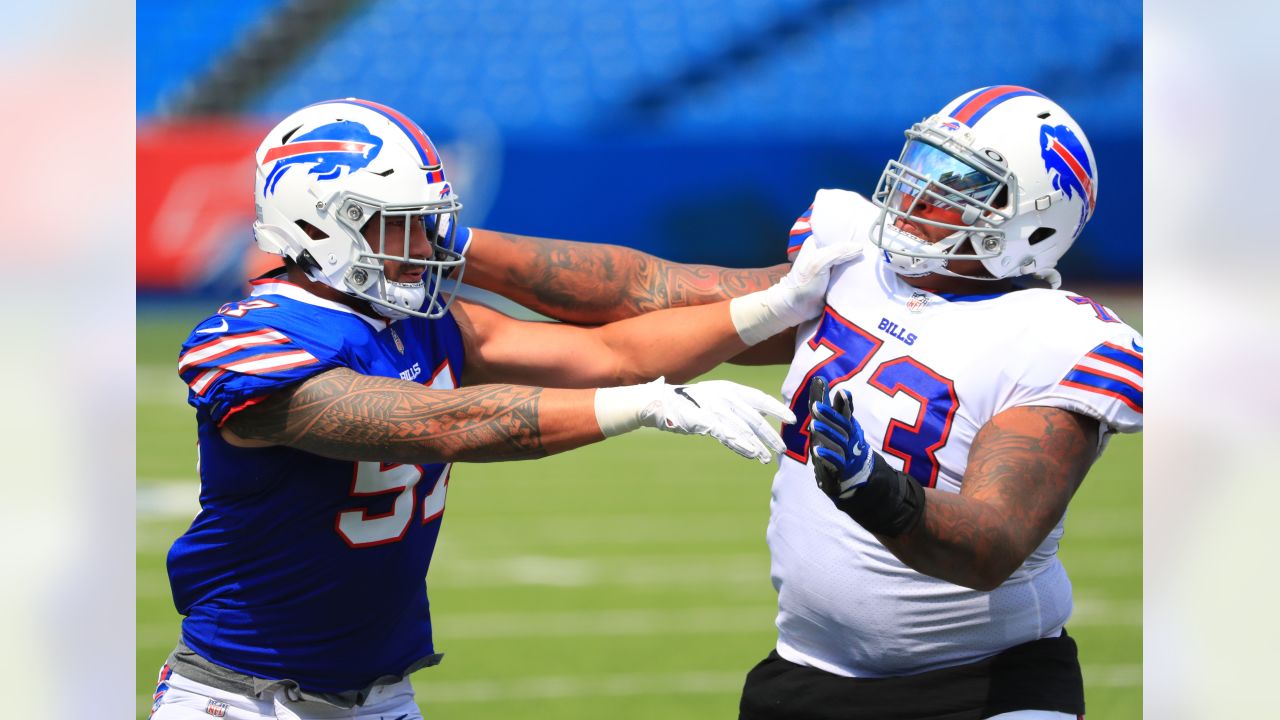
(917, 302)
(216, 708)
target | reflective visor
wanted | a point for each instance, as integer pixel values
(946, 172)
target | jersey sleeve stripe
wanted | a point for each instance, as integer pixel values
(1119, 356)
(226, 345)
(797, 243)
(205, 379)
(1105, 384)
(802, 230)
(271, 362)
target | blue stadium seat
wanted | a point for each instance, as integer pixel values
(178, 41)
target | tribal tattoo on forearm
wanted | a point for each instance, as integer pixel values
(348, 416)
(1022, 472)
(590, 283)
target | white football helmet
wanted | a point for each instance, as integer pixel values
(334, 166)
(1005, 169)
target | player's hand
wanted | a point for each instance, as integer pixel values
(731, 413)
(800, 295)
(842, 459)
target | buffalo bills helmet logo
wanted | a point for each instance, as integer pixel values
(1067, 163)
(330, 148)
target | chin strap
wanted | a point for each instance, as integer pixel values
(402, 295)
(1051, 276)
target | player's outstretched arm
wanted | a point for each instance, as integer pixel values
(345, 415)
(593, 284)
(680, 343)
(1024, 467)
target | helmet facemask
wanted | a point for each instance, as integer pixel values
(939, 183)
(432, 293)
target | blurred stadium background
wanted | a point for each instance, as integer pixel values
(629, 579)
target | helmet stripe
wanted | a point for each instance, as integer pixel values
(426, 150)
(981, 102)
(1081, 174)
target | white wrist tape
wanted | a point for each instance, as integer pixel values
(754, 317)
(619, 409)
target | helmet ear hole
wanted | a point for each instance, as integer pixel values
(312, 231)
(1039, 234)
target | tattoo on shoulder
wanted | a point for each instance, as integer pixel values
(345, 415)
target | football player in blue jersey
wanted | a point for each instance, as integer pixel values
(332, 400)
(950, 399)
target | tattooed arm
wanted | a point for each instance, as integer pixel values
(593, 284)
(344, 415)
(1024, 467)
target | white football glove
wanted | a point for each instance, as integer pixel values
(800, 295)
(729, 412)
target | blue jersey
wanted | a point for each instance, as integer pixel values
(298, 566)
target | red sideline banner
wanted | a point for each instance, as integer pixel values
(195, 204)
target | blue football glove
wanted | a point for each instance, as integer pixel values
(842, 460)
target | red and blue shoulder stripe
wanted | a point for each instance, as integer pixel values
(800, 231)
(1110, 370)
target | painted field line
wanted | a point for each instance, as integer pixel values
(1105, 613)
(601, 623)
(1112, 676)
(171, 498)
(464, 570)
(160, 384)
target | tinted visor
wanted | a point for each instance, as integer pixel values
(950, 177)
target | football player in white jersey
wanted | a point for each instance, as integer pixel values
(953, 398)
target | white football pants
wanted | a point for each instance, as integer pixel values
(189, 700)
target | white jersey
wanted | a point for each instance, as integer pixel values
(926, 372)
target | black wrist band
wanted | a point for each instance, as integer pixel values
(890, 503)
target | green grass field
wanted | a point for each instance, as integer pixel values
(624, 580)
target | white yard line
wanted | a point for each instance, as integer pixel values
(602, 623)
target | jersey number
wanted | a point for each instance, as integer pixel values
(851, 347)
(359, 528)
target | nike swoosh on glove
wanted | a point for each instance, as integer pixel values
(733, 414)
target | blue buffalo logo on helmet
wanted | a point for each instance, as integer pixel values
(329, 148)
(1067, 163)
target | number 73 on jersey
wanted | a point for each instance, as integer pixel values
(852, 350)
